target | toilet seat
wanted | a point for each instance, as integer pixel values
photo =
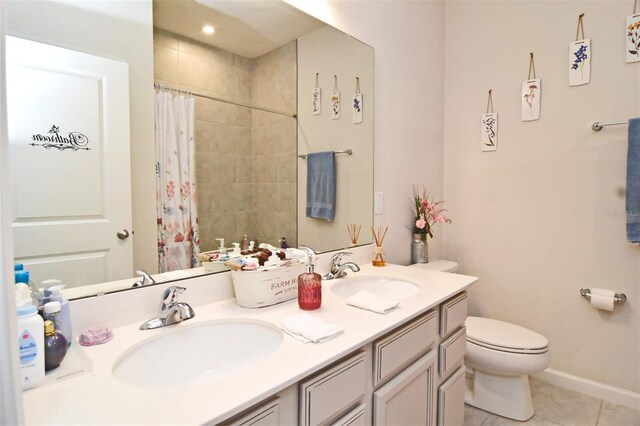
(504, 337)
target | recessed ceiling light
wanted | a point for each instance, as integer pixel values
(208, 29)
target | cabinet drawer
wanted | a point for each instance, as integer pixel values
(403, 346)
(453, 313)
(265, 415)
(327, 395)
(451, 400)
(356, 417)
(452, 350)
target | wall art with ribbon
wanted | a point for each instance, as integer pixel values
(632, 32)
(335, 100)
(489, 128)
(357, 103)
(531, 94)
(580, 57)
(317, 97)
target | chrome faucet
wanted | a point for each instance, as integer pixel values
(146, 278)
(171, 311)
(338, 269)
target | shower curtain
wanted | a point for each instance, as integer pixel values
(178, 236)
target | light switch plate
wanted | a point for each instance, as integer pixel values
(378, 203)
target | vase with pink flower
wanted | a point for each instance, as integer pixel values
(427, 213)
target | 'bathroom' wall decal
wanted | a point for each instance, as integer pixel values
(489, 128)
(317, 97)
(335, 100)
(356, 105)
(531, 94)
(580, 58)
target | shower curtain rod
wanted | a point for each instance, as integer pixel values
(163, 86)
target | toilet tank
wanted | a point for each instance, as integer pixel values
(438, 265)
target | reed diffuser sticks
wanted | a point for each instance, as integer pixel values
(354, 233)
(378, 236)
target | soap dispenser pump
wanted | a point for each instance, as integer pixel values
(309, 285)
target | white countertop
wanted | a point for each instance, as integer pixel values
(98, 398)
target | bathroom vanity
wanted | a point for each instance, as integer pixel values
(405, 367)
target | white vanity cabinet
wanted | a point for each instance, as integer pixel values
(413, 375)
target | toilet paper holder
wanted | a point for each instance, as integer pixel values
(618, 298)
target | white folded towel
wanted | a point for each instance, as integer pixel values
(366, 300)
(307, 328)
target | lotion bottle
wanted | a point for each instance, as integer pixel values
(309, 285)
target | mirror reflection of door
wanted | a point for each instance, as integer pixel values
(68, 115)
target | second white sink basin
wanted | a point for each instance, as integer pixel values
(197, 353)
(387, 287)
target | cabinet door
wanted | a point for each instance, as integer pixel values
(451, 400)
(408, 398)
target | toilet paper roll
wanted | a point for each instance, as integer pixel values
(602, 299)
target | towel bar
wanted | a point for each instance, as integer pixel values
(618, 298)
(597, 126)
(346, 151)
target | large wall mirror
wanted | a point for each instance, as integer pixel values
(88, 133)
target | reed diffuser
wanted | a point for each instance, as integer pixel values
(354, 233)
(378, 236)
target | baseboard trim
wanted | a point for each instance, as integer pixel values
(589, 387)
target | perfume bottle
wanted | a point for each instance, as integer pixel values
(309, 285)
(55, 346)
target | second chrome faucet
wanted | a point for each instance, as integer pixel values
(337, 269)
(171, 311)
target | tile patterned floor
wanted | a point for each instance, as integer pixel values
(557, 406)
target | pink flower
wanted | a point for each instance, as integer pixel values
(421, 223)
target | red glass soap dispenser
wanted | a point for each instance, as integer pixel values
(309, 285)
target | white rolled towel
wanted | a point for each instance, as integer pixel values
(307, 328)
(366, 300)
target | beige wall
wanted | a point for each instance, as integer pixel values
(408, 38)
(273, 85)
(120, 30)
(532, 219)
(330, 52)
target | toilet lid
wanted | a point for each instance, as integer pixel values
(504, 336)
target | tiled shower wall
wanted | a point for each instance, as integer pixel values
(274, 85)
(225, 153)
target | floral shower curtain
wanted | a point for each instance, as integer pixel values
(178, 236)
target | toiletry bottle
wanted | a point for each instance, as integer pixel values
(245, 243)
(22, 276)
(52, 313)
(309, 285)
(54, 290)
(283, 243)
(236, 250)
(55, 346)
(30, 345)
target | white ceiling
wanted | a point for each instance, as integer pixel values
(249, 28)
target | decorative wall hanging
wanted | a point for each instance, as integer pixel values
(317, 98)
(531, 94)
(633, 35)
(335, 100)
(489, 128)
(357, 103)
(579, 58)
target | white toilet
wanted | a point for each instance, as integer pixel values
(499, 358)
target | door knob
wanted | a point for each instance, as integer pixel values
(123, 235)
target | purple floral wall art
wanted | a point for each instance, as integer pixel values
(579, 62)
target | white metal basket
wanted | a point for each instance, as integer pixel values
(257, 289)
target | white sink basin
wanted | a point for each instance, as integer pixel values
(197, 353)
(387, 287)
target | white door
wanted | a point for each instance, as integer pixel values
(68, 115)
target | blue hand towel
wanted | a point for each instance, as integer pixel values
(633, 182)
(321, 185)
